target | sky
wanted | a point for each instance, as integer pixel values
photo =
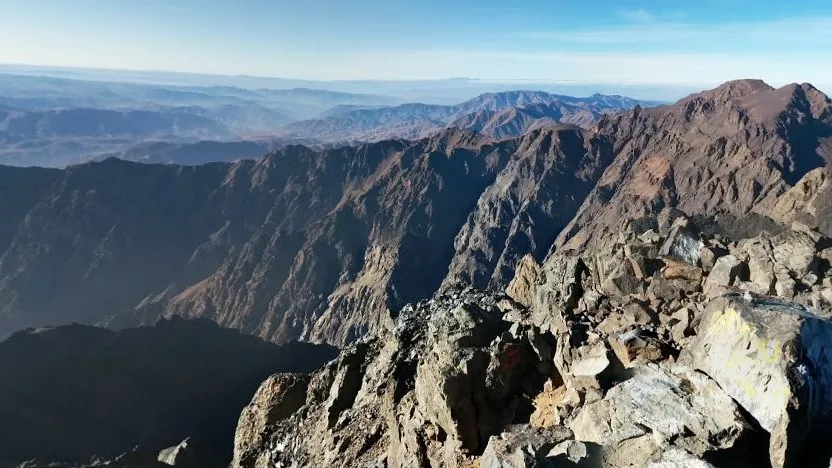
(599, 41)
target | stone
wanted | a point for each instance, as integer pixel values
(708, 255)
(183, 454)
(276, 399)
(562, 281)
(682, 243)
(650, 237)
(727, 271)
(773, 358)
(667, 403)
(522, 446)
(347, 382)
(593, 361)
(635, 313)
(522, 286)
(623, 281)
(795, 250)
(668, 290)
(677, 458)
(569, 450)
(760, 265)
(683, 271)
(636, 348)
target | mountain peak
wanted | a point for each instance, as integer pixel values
(731, 90)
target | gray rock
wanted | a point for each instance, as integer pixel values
(682, 243)
(726, 272)
(773, 358)
(523, 446)
(676, 458)
(671, 404)
(182, 455)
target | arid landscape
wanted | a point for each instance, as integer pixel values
(508, 236)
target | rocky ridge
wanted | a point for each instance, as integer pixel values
(666, 346)
(322, 244)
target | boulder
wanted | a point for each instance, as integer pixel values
(522, 286)
(727, 271)
(524, 446)
(669, 405)
(772, 357)
(675, 269)
(623, 281)
(635, 347)
(708, 255)
(682, 243)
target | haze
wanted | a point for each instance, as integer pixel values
(606, 42)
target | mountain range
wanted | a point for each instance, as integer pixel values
(497, 115)
(321, 244)
(51, 121)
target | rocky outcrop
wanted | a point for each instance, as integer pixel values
(628, 355)
(73, 392)
(773, 358)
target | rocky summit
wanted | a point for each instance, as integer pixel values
(668, 345)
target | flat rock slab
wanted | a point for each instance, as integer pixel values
(775, 359)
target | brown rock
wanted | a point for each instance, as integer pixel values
(276, 399)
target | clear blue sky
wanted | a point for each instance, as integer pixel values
(656, 42)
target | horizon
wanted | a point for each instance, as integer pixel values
(645, 44)
(654, 91)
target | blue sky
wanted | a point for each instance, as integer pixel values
(599, 41)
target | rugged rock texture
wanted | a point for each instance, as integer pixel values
(72, 392)
(734, 149)
(322, 244)
(528, 204)
(300, 244)
(613, 356)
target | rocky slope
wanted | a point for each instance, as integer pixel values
(321, 244)
(736, 148)
(498, 115)
(75, 391)
(313, 244)
(661, 348)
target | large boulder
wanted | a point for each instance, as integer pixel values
(524, 446)
(774, 359)
(669, 405)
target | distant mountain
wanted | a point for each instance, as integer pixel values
(485, 113)
(48, 93)
(76, 391)
(54, 122)
(201, 152)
